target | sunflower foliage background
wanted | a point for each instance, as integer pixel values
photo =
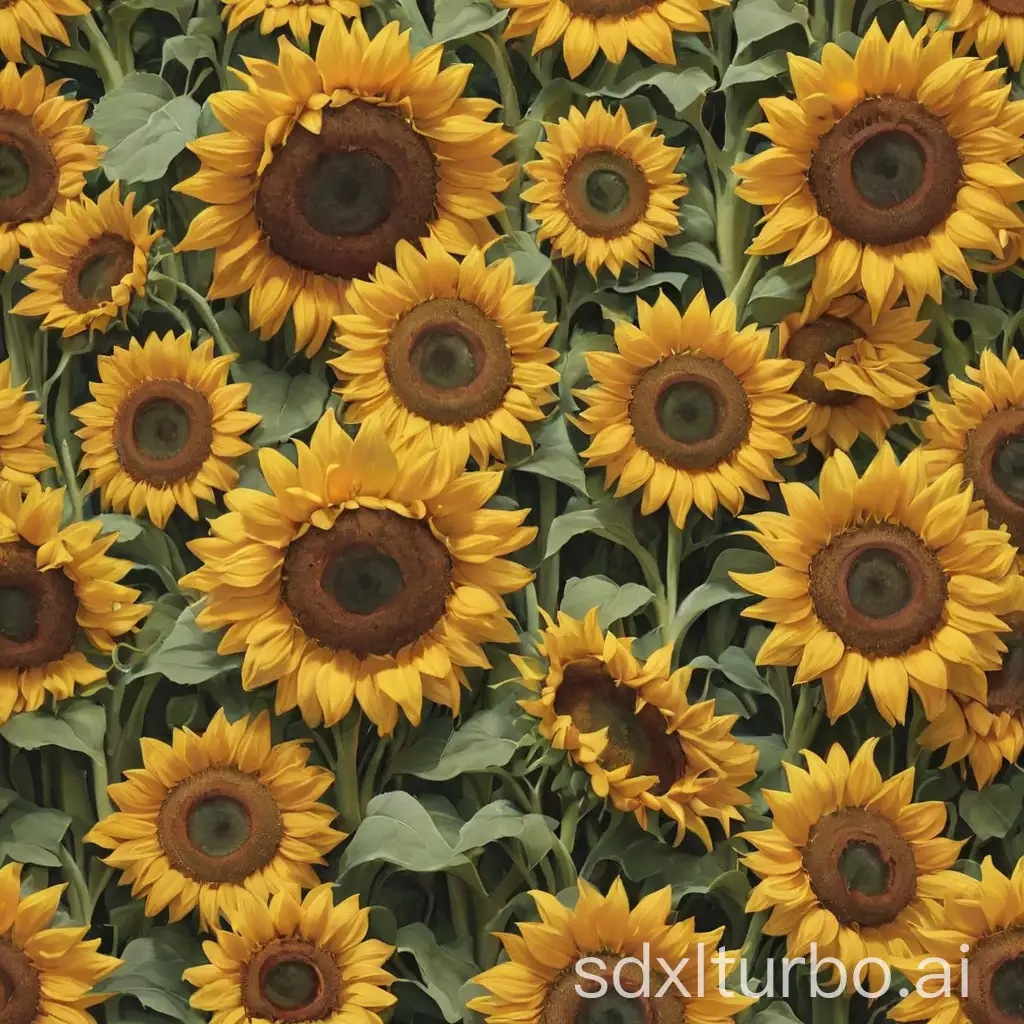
(489, 481)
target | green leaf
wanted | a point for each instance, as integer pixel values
(129, 10)
(78, 724)
(144, 127)
(30, 834)
(758, 19)
(991, 812)
(187, 655)
(456, 19)
(444, 969)
(530, 263)
(772, 65)
(186, 50)
(680, 86)
(780, 291)
(287, 404)
(612, 601)
(497, 820)
(554, 456)
(777, 1012)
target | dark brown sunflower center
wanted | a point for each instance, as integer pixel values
(337, 203)
(859, 867)
(163, 432)
(995, 979)
(879, 587)
(592, 698)
(690, 411)
(291, 980)
(29, 175)
(994, 462)
(448, 362)
(812, 345)
(371, 584)
(1012, 8)
(219, 825)
(887, 172)
(19, 986)
(38, 610)
(95, 270)
(607, 8)
(571, 998)
(1006, 686)
(605, 193)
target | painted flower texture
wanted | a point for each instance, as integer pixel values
(511, 511)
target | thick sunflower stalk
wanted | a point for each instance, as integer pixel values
(511, 511)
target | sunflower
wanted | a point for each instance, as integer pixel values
(850, 863)
(887, 166)
(298, 15)
(856, 373)
(292, 961)
(365, 573)
(986, 25)
(985, 927)
(23, 451)
(628, 723)
(215, 815)
(452, 351)
(164, 427)
(584, 26)
(690, 409)
(989, 731)
(58, 588)
(45, 150)
(87, 261)
(606, 194)
(328, 161)
(27, 21)
(46, 974)
(982, 431)
(538, 982)
(887, 579)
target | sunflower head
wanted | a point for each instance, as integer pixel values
(23, 453)
(850, 863)
(986, 25)
(585, 26)
(45, 150)
(298, 16)
(164, 428)
(366, 573)
(538, 982)
(629, 725)
(26, 22)
(212, 816)
(605, 193)
(46, 974)
(690, 409)
(329, 161)
(448, 350)
(290, 962)
(856, 373)
(88, 261)
(886, 579)
(888, 166)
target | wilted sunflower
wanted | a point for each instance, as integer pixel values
(216, 815)
(23, 451)
(366, 574)
(887, 579)
(46, 974)
(57, 587)
(850, 863)
(584, 26)
(539, 982)
(986, 25)
(856, 373)
(27, 21)
(87, 261)
(452, 351)
(605, 193)
(291, 961)
(328, 161)
(45, 150)
(888, 165)
(628, 723)
(690, 409)
(164, 427)
(985, 926)
(990, 731)
(298, 15)
(982, 430)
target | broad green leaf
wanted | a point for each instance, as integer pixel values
(288, 404)
(772, 65)
(530, 263)
(779, 292)
(991, 812)
(486, 740)
(186, 50)
(77, 724)
(680, 86)
(444, 969)
(758, 19)
(456, 19)
(30, 834)
(612, 601)
(500, 820)
(187, 655)
(554, 455)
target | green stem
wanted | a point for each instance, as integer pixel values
(60, 433)
(673, 557)
(547, 572)
(133, 727)
(496, 56)
(99, 49)
(805, 722)
(346, 769)
(78, 892)
(202, 307)
(570, 822)
(183, 321)
(740, 293)
(842, 17)
(457, 904)
(100, 781)
(370, 775)
(729, 253)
